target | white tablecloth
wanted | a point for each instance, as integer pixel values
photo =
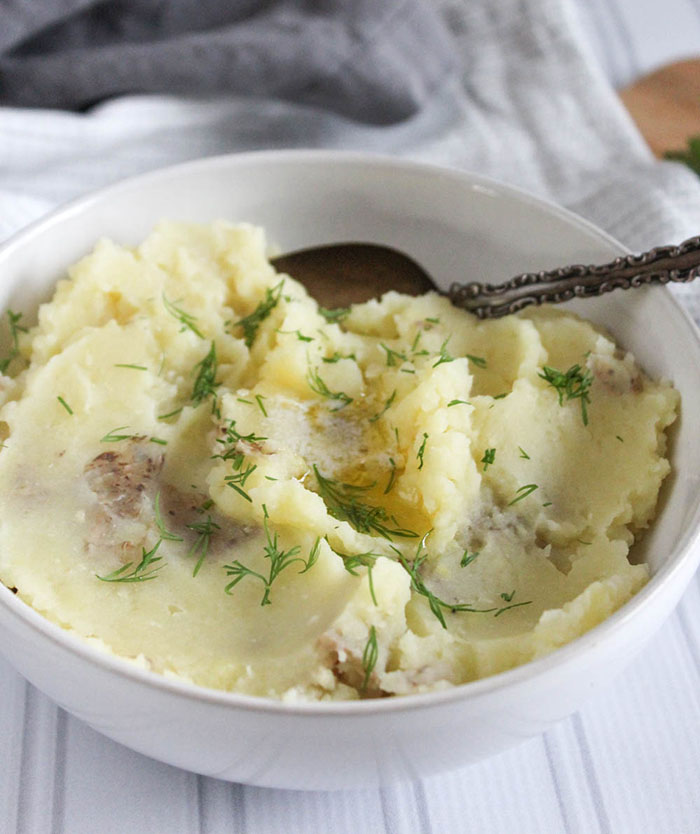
(533, 106)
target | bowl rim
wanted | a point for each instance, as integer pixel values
(584, 645)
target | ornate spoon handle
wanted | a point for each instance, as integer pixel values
(658, 266)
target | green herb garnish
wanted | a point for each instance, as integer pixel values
(200, 548)
(319, 387)
(252, 322)
(205, 384)
(392, 476)
(387, 406)
(573, 384)
(279, 561)
(342, 501)
(65, 405)
(113, 437)
(457, 402)
(393, 357)
(337, 357)
(186, 319)
(421, 450)
(336, 315)
(523, 453)
(15, 328)
(165, 534)
(170, 414)
(479, 361)
(237, 480)
(144, 571)
(300, 336)
(259, 399)
(523, 492)
(369, 656)
(488, 458)
(133, 367)
(690, 156)
(444, 355)
(467, 558)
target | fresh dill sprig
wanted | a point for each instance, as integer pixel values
(488, 458)
(421, 450)
(523, 492)
(331, 360)
(690, 156)
(479, 361)
(457, 402)
(343, 502)
(113, 437)
(300, 336)
(392, 356)
(387, 406)
(252, 322)
(237, 480)
(437, 605)
(13, 322)
(336, 315)
(508, 597)
(187, 320)
(205, 384)
(370, 656)
(165, 534)
(259, 400)
(170, 414)
(444, 355)
(279, 561)
(361, 560)
(573, 384)
(200, 548)
(133, 367)
(232, 439)
(145, 570)
(65, 405)
(319, 387)
(392, 476)
(523, 453)
(158, 440)
(467, 558)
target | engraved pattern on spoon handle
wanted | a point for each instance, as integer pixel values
(661, 265)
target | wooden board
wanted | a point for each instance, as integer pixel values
(666, 105)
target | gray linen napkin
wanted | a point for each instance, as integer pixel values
(372, 60)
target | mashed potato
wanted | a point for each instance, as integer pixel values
(206, 473)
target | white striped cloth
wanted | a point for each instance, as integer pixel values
(535, 106)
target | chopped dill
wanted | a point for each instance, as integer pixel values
(408, 370)
(170, 414)
(523, 492)
(392, 356)
(617, 437)
(165, 534)
(365, 560)
(387, 406)
(317, 385)
(252, 322)
(279, 561)
(444, 355)
(142, 572)
(437, 605)
(231, 440)
(337, 357)
(237, 480)
(433, 321)
(500, 396)
(15, 328)
(243, 400)
(300, 336)
(479, 361)
(65, 405)
(421, 450)
(488, 458)
(113, 437)
(259, 399)
(133, 367)
(392, 476)
(205, 384)
(369, 657)
(336, 315)
(510, 607)
(186, 319)
(573, 384)
(467, 558)
(200, 548)
(457, 402)
(343, 502)
(508, 597)
(158, 440)
(523, 453)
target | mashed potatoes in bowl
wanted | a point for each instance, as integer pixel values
(233, 486)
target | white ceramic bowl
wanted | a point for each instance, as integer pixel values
(459, 226)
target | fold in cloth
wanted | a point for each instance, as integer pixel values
(375, 61)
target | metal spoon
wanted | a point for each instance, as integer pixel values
(341, 274)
